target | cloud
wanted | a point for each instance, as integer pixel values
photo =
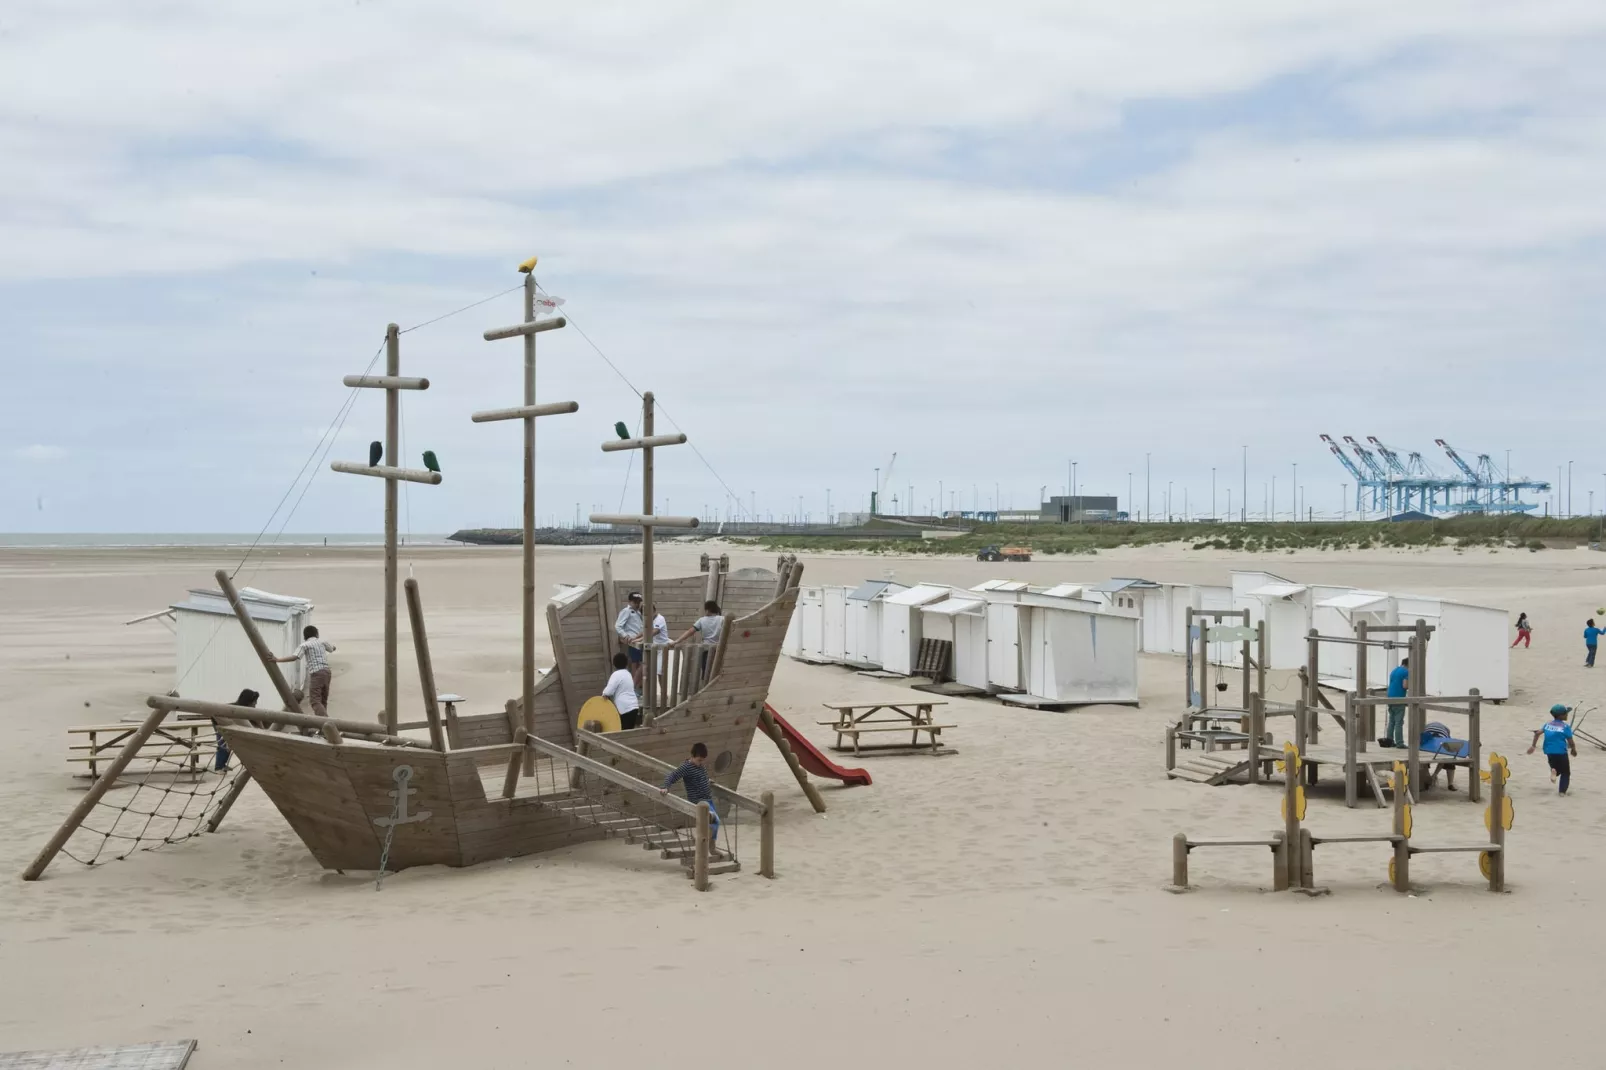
(988, 241)
(40, 453)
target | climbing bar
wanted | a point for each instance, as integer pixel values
(520, 329)
(554, 408)
(640, 521)
(385, 471)
(650, 442)
(386, 382)
(227, 712)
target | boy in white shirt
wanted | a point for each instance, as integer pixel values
(621, 691)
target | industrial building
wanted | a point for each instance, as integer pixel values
(1082, 508)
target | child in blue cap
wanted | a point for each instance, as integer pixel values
(1558, 736)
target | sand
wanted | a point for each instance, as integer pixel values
(1001, 906)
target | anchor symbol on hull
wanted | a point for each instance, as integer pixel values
(401, 775)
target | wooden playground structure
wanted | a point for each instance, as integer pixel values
(1293, 847)
(527, 778)
(1222, 737)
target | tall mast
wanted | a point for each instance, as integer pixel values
(528, 412)
(391, 472)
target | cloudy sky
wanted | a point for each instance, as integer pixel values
(989, 238)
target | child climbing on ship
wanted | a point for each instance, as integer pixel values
(621, 691)
(316, 651)
(693, 772)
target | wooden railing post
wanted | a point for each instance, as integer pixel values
(700, 854)
(1179, 860)
(766, 837)
(1497, 825)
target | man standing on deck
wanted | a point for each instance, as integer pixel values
(630, 627)
(1398, 679)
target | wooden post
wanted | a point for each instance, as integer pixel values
(1402, 842)
(1187, 631)
(392, 458)
(1291, 819)
(527, 666)
(646, 557)
(1307, 859)
(426, 667)
(1171, 750)
(1350, 732)
(1475, 743)
(1497, 828)
(280, 684)
(1279, 862)
(510, 782)
(1312, 701)
(331, 733)
(96, 791)
(1301, 724)
(766, 836)
(1204, 661)
(1179, 861)
(1244, 697)
(610, 609)
(700, 853)
(1262, 655)
(1368, 729)
(1416, 715)
(1257, 726)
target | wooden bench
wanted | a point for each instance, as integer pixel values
(181, 747)
(914, 730)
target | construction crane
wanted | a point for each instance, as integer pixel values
(881, 486)
(1413, 485)
(1488, 490)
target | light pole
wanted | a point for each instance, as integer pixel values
(1273, 509)
(1147, 511)
(1294, 490)
(1244, 501)
(828, 513)
(1212, 492)
(1129, 502)
(1076, 506)
(1343, 501)
(1168, 500)
(1569, 488)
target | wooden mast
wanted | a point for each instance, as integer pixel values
(528, 413)
(391, 472)
(646, 521)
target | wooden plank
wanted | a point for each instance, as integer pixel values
(158, 1055)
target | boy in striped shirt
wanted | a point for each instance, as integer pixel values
(693, 772)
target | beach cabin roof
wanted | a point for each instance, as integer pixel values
(1000, 585)
(955, 606)
(1121, 583)
(918, 595)
(1280, 590)
(262, 605)
(870, 590)
(1064, 590)
(1354, 600)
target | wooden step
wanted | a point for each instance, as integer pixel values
(685, 854)
(1451, 848)
(716, 868)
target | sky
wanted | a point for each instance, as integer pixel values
(992, 240)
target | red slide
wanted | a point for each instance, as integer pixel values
(810, 758)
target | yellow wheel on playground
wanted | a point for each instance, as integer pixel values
(1406, 823)
(1485, 864)
(600, 710)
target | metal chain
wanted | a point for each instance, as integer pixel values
(395, 815)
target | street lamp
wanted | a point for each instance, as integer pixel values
(1244, 501)
(1076, 506)
(1147, 509)
(1212, 492)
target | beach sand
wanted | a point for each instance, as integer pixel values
(1001, 906)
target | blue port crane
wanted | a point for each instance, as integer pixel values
(1402, 481)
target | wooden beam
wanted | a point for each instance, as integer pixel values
(386, 382)
(767, 724)
(426, 667)
(643, 520)
(392, 454)
(96, 791)
(251, 715)
(527, 328)
(766, 837)
(510, 782)
(644, 443)
(700, 859)
(386, 472)
(523, 412)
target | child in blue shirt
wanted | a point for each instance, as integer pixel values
(1394, 736)
(1558, 735)
(695, 776)
(1591, 640)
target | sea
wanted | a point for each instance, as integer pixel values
(101, 540)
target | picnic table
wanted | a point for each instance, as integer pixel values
(853, 719)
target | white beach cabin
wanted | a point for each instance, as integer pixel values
(1074, 654)
(961, 620)
(805, 635)
(1336, 615)
(901, 625)
(215, 659)
(1286, 608)
(863, 643)
(1004, 668)
(1469, 647)
(834, 624)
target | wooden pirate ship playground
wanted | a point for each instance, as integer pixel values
(535, 775)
